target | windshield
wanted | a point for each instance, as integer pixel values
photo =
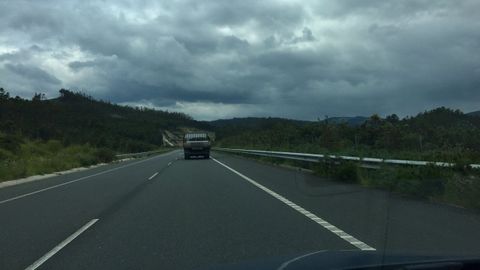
(273, 134)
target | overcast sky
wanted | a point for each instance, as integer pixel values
(221, 59)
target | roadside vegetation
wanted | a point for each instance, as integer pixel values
(438, 135)
(40, 136)
(458, 185)
(23, 157)
(441, 134)
(75, 118)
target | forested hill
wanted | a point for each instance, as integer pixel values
(476, 113)
(439, 134)
(75, 118)
(230, 127)
(254, 122)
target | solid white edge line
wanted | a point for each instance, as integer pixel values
(151, 177)
(325, 224)
(76, 180)
(58, 247)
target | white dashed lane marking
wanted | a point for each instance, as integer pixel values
(77, 180)
(57, 248)
(153, 176)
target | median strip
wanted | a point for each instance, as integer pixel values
(64, 243)
(325, 224)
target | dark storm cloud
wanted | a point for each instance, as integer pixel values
(300, 59)
(33, 73)
(167, 95)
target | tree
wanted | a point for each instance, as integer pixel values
(392, 118)
(4, 95)
(38, 97)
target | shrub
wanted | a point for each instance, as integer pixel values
(12, 170)
(104, 155)
(54, 146)
(347, 172)
(4, 155)
(39, 157)
(384, 178)
(420, 182)
(463, 190)
(11, 143)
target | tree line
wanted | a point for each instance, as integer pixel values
(76, 118)
(438, 134)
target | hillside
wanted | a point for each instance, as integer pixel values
(254, 122)
(439, 134)
(475, 113)
(74, 118)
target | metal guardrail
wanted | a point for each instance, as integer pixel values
(366, 161)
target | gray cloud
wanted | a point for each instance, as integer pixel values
(32, 73)
(300, 59)
(77, 65)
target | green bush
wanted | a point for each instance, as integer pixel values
(105, 155)
(34, 149)
(37, 157)
(463, 190)
(54, 146)
(345, 172)
(10, 143)
(12, 169)
(5, 155)
(421, 181)
(86, 159)
(384, 178)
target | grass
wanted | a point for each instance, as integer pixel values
(457, 186)
(22, 158)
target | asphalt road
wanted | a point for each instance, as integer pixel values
(164, 212)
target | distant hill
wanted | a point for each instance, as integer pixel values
(255, 122)
(266, 122)
(351, 121)
(230, 127)
(75, 118)
(475, 113)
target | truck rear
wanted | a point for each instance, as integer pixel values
(196, 144)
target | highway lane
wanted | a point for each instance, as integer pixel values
(195, 214)
(384, 220)
(30, 226)
(13, 191)
(164, 213)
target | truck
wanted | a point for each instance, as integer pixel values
(196, 144)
